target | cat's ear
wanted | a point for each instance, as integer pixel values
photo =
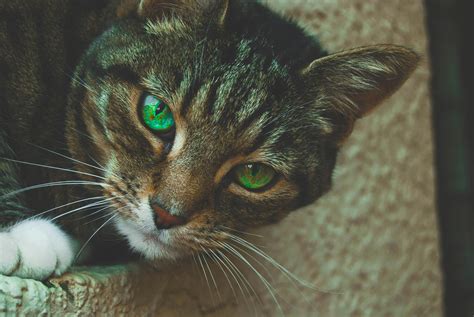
(349, 84)
(217, 9)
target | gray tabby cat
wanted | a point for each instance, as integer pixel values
(175, 122)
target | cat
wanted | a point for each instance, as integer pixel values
(175, 122)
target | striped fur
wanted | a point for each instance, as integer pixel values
(244, 85)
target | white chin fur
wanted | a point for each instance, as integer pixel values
(153, 244)
(35, 249)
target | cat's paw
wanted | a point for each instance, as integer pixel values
(35, 249)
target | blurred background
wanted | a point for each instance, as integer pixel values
(450, 28)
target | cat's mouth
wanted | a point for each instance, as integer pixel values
(153, 244)
(157, 234)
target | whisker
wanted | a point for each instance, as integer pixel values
(82, 133)
(211, 274)
(99, 166)
(219, 261)
(80, 81)
(247, 285)
(92, 236)
(65, 205)
(304, 296)
(228, 264)
(68, 157)
(197, 266)
(205, 276)
(106, 215)
(270, 275)
(110, 213)
(52, 167)
(94, 213)
(243, 232)
(231, 271)
(265, 282)
(52, 184)
(292, 277)
(272, 261)
(104, 169)
(254, 259)
(95, 204)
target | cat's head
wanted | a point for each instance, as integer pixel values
(216, 115)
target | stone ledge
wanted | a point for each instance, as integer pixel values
(112, 290)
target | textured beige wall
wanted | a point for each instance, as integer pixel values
(372, 240)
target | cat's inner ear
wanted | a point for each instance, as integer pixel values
(348, 85)
(212, 9)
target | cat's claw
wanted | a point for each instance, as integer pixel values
(35, 249)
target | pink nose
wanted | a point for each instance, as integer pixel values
(165, 220)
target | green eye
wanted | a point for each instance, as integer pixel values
(156, 114)
(254, 176)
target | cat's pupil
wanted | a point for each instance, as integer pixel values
(254, 169)
(159, 109)
(254, 176)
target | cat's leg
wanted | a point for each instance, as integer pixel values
(32, 248)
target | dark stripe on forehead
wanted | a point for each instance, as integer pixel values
(210, 100)
(271, 131)
(251, 120)
(189, 94)
(266, 132)
(244, 89)
(237, 110)
(223, 106)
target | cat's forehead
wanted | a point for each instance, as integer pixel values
(210, 89)
(230, 93)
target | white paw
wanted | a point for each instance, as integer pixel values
(35, 249)
(9, 255)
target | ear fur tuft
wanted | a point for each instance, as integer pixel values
(349, 84)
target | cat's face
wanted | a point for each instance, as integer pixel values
(201, 128)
